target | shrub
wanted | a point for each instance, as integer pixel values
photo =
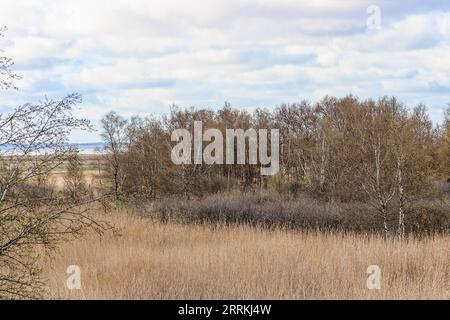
(270, 210)
(254, 208)
(427, 218)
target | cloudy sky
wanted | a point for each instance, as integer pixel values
(139, 57)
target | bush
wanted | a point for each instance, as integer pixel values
(254, 208)
(428, 218)
(270, 210)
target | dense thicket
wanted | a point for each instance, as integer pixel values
(381, 153)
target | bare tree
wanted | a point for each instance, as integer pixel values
(375, 157)
(33, 142)
(74, 184)
(7, 77)
(445, 145)
(116, 141)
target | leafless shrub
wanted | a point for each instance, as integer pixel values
(262, 209)
(75, 187)
(429, 217)
(302, 212)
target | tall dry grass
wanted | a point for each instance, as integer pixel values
(150, 260)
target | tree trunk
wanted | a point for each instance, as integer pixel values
(401, 195)
(322, 165)
(383, 210)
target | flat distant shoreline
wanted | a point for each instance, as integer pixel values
(85, 148)
(88, 148)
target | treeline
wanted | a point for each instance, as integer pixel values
(380, 153)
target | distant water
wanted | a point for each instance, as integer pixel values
(84, 148)
(89, 147)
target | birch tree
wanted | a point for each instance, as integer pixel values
(115, 137)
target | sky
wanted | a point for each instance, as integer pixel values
(141, 56)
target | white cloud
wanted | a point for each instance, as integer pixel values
(141, 55)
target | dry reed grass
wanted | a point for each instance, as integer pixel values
(151, 260)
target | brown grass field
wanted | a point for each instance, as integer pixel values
(150, 260)
(90, 168)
